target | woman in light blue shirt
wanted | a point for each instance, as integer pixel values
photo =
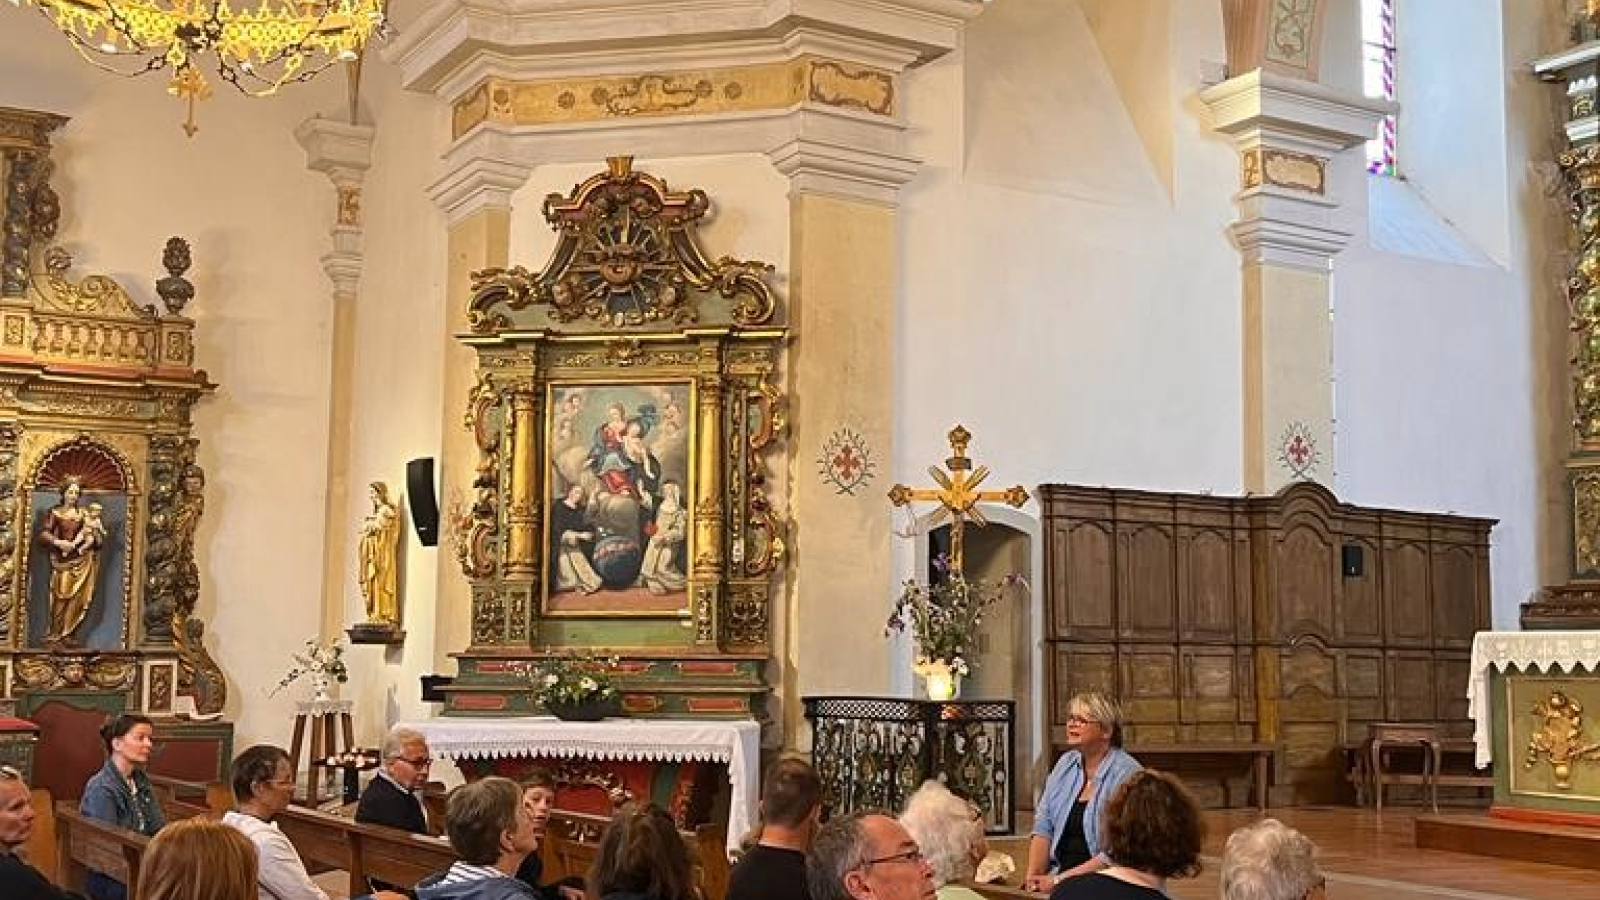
(1066, 830)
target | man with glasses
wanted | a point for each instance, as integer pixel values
(18, 880)
(867, 856)
(393, 796)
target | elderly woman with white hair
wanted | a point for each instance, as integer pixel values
(1268, 860)
(949, 832)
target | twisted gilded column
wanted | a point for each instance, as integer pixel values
(1581, 166)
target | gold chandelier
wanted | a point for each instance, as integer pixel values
(257, 50)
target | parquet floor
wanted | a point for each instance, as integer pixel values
(1368, 856)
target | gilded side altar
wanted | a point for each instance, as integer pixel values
(627, 416)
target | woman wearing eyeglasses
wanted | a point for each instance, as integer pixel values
(1066, 829)
(949, 832)
(120, 793)
(1153, 832)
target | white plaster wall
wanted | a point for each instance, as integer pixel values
(1445, 395)
(401, 321)
(1082, 324)
(239, 191)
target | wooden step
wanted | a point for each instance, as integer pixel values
(1562, 845)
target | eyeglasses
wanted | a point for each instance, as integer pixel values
(420, 762)
(1081, 720)
(913, 855)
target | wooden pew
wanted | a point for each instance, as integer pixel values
(84, 844)
(327, 842)
(572, 839)
(1218, 760)
(181, 799)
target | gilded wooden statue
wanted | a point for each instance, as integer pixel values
(380, 543)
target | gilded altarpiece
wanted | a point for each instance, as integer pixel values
(100, 492)
(627, 421)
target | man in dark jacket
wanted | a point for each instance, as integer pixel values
(18, 880)
(791, 807)
(493, 832)
(392, 798)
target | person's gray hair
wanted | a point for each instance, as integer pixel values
(1101, 708)
(394, 743)
(1268, 860)
(839, 847)
(943, 826)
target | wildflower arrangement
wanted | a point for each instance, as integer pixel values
(325, 660)
(573, 680)
(944, 618)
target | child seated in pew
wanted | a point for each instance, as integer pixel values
(539, 798)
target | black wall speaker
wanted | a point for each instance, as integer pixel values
(424, 504)
(1352, 560)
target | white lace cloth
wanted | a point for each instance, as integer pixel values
(1564, 650)
(736, 743)
(324, 707)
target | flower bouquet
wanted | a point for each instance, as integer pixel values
(323, 662)
(944, 619)
(576, 688)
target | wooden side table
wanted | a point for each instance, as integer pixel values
(328, 721)
(1420, 734)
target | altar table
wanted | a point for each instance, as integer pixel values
(734, 743)
(1533, 696)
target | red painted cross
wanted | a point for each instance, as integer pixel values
(846, 463)
(1299, 451)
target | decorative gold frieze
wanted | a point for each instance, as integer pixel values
(51, 671)
(807, 79)
(1284, 168)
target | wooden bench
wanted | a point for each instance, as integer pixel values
(1220, 760)
(181, 799)
(84, 845)
(327, 842)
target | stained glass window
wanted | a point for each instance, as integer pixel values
(1377, 69)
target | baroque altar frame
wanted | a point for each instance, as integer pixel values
(628, 309)
(97, 391)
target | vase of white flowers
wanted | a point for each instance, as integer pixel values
(944, 619)
(576, 688)
(323, 664)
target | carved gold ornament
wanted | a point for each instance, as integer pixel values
(627, 255)
(1559, 740)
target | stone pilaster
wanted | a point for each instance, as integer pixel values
(342, 152)
(1287, 132)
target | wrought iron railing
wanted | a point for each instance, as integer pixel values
(874, 752)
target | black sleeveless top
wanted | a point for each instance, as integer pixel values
(1073, 848)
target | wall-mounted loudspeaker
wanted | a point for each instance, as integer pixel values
(1352, 560)
(424, 503)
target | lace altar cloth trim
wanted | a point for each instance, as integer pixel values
(1546, 650)
(736, 743)
(324, 707)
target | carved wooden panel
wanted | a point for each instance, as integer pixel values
(1168, 600)
(1408, 620)
(1147, 590)
(1083, 581)
(1306, 565)
(1458, 597)
(1207, 586)
(1412, 696)
(1360, 615)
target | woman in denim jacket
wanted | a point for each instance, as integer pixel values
(120, 793)
(1067, 830)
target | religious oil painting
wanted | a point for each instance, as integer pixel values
(619, 505)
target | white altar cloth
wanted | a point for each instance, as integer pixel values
(735, 743)
(1565, 650)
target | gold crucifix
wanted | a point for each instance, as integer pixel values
(958, 496)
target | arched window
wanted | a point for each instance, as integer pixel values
(1377, 70)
